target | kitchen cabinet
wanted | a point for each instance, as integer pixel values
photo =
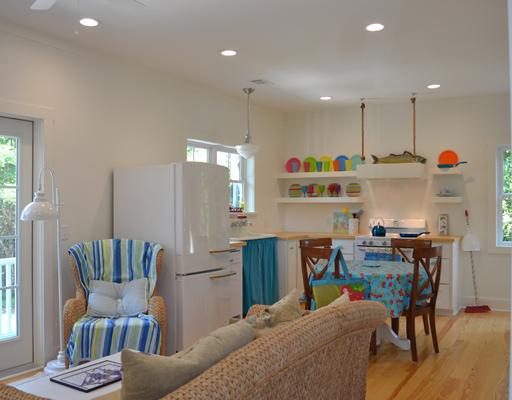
(289, 263)
(449, 298)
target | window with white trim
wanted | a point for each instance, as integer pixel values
(504, 196)
(241, 172)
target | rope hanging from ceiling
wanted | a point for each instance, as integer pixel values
(363, 106)
(413, 101)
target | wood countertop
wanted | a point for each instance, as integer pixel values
(233, 245)
(309, 235)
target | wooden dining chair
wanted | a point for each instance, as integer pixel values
(399, 246)
(311, 252)
(424, 294)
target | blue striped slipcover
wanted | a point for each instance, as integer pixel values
(115, 260)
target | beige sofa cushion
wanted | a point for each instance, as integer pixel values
(148, 377)
(285, 310)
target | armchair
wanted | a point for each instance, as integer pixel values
(116, 260)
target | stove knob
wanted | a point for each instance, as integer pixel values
(364, 242)
(384, 243)
(370, 242)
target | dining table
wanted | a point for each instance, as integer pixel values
(389, 283)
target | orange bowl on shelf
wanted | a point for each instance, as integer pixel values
(448, 157)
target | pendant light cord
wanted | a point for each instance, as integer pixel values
(413, 101)
(362, 128)
(248, 91)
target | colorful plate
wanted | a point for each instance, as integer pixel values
(342, 160)
(356, 160)
(312, 164)
(327, 163)
(448, 157)
(293, 165)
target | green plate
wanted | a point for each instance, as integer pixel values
(312, 164)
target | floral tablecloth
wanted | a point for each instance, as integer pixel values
(390, 282)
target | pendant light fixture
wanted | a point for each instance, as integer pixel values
(247, 149)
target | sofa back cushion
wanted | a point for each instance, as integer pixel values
(116, 260)
(148, 377)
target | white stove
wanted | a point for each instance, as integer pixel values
(368, 247)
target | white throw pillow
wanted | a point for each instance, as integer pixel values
(110, 299)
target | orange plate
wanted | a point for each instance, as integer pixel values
(448, 157)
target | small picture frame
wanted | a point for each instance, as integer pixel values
(91, 376)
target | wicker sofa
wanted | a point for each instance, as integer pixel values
(323, 355)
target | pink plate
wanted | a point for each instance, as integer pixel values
(293, 165)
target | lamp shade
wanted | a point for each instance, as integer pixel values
(247, 150)
(39, 210)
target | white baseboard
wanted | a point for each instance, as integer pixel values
(495, 303)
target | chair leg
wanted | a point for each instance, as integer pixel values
(411, 335)
(373, 343)
(425, 324)
(432, 316)
(395, 324)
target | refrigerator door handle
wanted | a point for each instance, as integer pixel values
(230, 273)
(229, 250)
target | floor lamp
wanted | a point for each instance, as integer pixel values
(41, 209)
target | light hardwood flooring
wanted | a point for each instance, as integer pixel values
(473, 362)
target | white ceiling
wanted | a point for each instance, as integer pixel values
(307, 48)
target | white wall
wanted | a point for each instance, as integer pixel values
(472, 126)
(98, 112)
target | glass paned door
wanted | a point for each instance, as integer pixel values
(15, 244)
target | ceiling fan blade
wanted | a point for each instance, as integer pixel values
(42, 4)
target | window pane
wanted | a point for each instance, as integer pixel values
(232, 161)
(8, 323)
(507, 219)
(7, 212)
(234, 167)
(236, 195)
(507, 171)
(200, 154)
(190, 153)
(223, 158)
(7, 160)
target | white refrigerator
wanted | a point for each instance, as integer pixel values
(184, 207)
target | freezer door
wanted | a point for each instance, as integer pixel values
(206, 302)
(202, 213)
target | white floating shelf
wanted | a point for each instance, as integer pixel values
(447, 200)
(391, 171)
(317, 175)
(319, 200)
(446, 171)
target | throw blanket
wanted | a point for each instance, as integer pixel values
(93, 338)
(114, 260)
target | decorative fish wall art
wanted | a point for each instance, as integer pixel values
(405, 157)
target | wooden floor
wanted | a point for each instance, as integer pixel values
(472, 364)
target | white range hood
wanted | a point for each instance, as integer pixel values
(392, 171)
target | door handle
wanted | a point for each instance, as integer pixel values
(230, 273)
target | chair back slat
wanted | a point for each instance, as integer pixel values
(312, 251)
(427, 261)
(399, 245)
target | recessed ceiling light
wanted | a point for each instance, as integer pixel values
(89, 22)
(228, 53)
(326, 98)
(434, 86)
(375, 27)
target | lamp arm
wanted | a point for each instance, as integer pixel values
(40, 185)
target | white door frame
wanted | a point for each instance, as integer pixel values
(18, 351)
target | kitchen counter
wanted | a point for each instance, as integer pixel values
(309, 235)
(236, 244)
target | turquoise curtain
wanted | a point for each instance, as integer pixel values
(260, 284)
